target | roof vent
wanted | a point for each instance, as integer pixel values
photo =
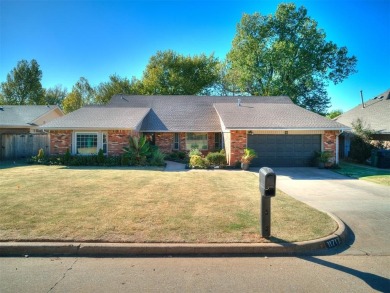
(123, 98)
(1, 109)
(239, 102)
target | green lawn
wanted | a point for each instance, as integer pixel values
(123, 205)
(380, 176)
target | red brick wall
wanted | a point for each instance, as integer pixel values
(117, 140)
(182, 146)
(211, 141)
(238, 144)
(329, 143)
(164, 140)
(60, 141)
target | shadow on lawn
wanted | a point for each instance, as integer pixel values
(13, 164)
(305, 173)
(122, 168)
(360, 171)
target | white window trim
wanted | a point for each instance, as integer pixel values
(207, 140)
(99, 141)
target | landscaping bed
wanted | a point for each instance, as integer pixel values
(57, 203)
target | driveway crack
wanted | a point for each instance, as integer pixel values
(63, 276)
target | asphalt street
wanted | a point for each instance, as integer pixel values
(213, 274)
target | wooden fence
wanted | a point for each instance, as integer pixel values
(20, 146)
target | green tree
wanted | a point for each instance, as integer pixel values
(226, 84)
(169, 73)
(72, 102)
(82, 94)
(287, 54)
(55, 95)
(23, 85)
(116, 85)
(334, 113)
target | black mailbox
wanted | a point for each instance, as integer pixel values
(267, 184)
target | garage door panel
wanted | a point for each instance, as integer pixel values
(284, 150)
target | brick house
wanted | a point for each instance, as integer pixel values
(20, 135)
(282, 133)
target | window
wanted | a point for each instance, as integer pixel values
(217, 141)
(104, 143)
(176, 142)
(89, 143)
(86, 143)
(196, 141)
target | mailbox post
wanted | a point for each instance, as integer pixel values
(267, 186)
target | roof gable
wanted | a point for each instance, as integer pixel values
(24, 115)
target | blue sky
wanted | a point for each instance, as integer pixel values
(95, 39)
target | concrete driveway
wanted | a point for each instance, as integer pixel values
(361, 205)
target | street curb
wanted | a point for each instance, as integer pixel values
(134, 249)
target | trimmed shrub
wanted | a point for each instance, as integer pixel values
(67, 157)
(194, 152)
(198, 162)
(146, 157)
(216, 159)
(100, 157)
(125, 161)
(177, 156)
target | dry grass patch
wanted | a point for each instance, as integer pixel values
(123, 205)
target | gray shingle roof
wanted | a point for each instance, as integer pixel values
(272, 116)
(100, 117)
(173, 113)
(201, 113)
(22, 116)
(376, 113)
(193, 114)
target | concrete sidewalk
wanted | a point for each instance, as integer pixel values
(174, 166)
